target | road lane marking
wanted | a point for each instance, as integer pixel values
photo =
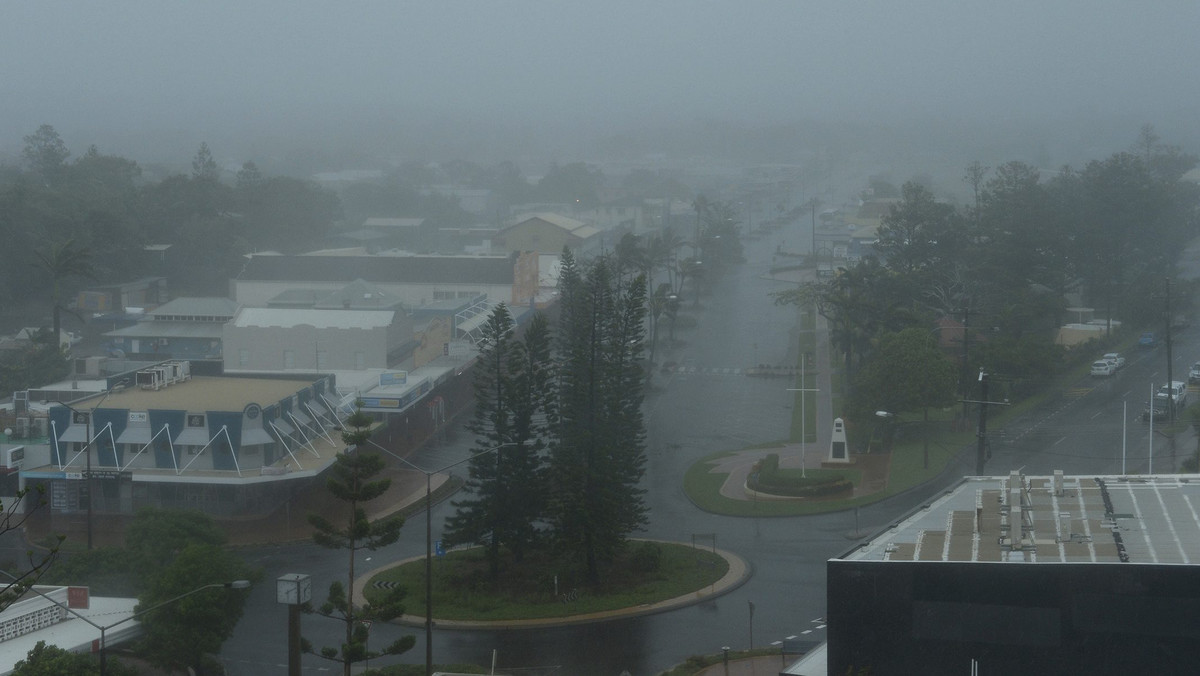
(1097, 414)
(1059, 441)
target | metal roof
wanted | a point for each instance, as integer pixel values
(381, 269)
(168, 329)
(1138, 519)
(205, 306)
(264, 317)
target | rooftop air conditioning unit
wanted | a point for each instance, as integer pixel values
(150, 379)
(41, 426)
(22, 429)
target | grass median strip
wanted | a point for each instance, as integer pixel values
(647, 573)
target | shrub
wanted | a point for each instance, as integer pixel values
(645, 557)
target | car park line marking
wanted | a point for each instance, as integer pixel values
(1097, 415)
(1062, 439)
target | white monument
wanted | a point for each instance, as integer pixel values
(838, 451)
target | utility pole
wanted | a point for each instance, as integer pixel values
(1170, 380)
(980, 453)
(964, 384)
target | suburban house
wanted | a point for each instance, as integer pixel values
(145, 293)
(547, 233)
(184, 328)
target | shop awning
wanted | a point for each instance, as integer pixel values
(135, 435)
(193, 436)
(283, 426)
(75, 434)
(255, 436)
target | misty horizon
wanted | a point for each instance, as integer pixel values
(535, 83)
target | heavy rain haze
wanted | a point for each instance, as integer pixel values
(284, 83)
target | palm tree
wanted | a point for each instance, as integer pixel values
(62, 260)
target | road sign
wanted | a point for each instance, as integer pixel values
(438, 549)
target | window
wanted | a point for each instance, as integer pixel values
(289, 359)
(243, 356)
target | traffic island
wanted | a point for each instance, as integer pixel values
(686, 575)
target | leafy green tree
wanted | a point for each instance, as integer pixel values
(907, 373)
(61, 261)
(50, 660)
(46, 154)
(920, 234)
(42, 362)
(352, 481)
(154, 539)
(12, 518)
(287, 214)
(598, 452)
(184, 634)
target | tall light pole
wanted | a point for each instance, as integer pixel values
(236, 584)
(429, 537)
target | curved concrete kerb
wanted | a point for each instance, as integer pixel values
(739, 571)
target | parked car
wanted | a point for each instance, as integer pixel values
(1175, 392)
(1103, 368)
(1194, 374)
(1148, 340)
(1161, 411)
(1116, 358)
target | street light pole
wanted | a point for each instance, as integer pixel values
(429, 537)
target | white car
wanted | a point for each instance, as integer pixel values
(1116, 358)
(1176, 392)
(1103, 368)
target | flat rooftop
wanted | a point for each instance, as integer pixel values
(201, 393)
(1038, 519)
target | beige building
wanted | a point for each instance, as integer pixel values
(287, 339)
(546, 233)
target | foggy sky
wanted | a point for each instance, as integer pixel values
(267, 71)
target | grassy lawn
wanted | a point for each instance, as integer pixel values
(462, 591)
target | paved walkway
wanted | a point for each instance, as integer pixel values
(739, 571)
(766, 665)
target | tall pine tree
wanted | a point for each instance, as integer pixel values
(351, 480)
(598, 454)
(504, 500)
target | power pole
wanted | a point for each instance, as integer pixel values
(981, 451)
(964, 384)
(1170, 380)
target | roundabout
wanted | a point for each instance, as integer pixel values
(737, 572)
